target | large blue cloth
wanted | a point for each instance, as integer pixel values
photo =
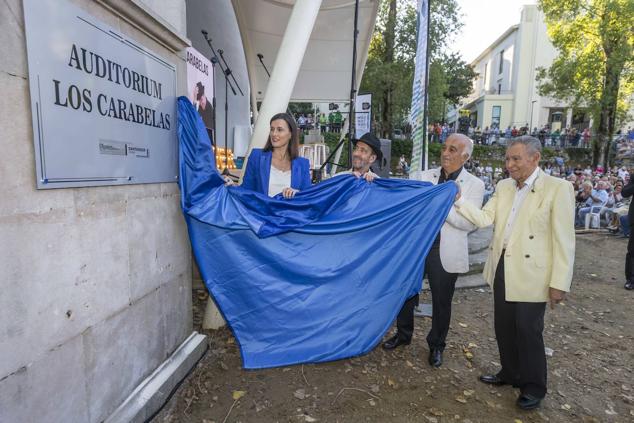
(316, 278)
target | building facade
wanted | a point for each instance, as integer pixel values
(505, 91)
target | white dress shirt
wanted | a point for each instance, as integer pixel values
(520, 196)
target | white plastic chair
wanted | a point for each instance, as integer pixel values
(593, 218)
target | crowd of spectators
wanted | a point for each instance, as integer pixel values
(598, 192)
(558, 138)
(333, 122)
(599, 195)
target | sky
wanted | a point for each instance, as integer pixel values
(484, 21)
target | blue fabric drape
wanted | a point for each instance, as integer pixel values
(316, 278)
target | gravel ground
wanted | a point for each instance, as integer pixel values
(590, 370)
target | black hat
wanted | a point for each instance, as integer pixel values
(373, 142)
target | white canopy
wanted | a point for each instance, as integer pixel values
(325, 72)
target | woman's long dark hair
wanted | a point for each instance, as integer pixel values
(293, 143)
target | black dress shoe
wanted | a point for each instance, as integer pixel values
(394, 342)
(435, 357)
(528, 402)
(492, 380)
(629, 285)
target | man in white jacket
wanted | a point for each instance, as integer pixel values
(449, 255)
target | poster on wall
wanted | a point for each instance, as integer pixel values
(363, 114)
(103, 105)
(200, 86)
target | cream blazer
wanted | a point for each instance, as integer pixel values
(541, 248)
(454, 246)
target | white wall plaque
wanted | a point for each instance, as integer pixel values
(103, 106)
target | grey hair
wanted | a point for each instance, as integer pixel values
(532, 144)
(468, 143)
(468, 148)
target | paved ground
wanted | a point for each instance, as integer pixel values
(590, 372)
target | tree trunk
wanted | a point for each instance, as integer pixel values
(605, 131)
(612, 89)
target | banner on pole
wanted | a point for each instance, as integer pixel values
(419, 90)
(363, 115)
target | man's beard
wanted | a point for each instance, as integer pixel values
(359, 164)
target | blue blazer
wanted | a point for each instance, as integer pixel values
(256, 175)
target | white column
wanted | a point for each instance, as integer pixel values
(287, 63)
(249, 57)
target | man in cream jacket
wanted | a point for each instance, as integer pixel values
(530, 263)
(449, 255)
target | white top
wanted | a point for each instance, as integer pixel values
(520, 196)
(278, 180)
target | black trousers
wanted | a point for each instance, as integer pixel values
(629, 257)
(442, 285)
(519, 328)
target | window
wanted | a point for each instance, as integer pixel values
(501, 62)
(495, 116)
(486, 66)
(499, 88)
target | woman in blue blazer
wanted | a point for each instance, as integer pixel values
(277, 168)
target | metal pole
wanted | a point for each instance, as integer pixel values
(530, 130)
(353, 91)
(353, 85)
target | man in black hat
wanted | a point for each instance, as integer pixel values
(367, 150)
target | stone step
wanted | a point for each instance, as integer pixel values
(480, 239)
(464, 281)
(471, 281)
(477, 261)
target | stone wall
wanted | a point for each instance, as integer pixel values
(96, 282)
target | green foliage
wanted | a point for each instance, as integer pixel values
(459, 76)
(438, 86)
(445, 22)
(595, 66)
(398, 148)
(301, 108)
(450, 79)
(389, 70)
(331, 139)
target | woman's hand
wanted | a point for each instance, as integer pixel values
(289, 192)
(228, 181)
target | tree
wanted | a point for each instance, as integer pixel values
(438, 86)
(450, 80)
(389, 70)
(595, 66)
(460, 76)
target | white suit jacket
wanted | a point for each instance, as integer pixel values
(454, 246)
